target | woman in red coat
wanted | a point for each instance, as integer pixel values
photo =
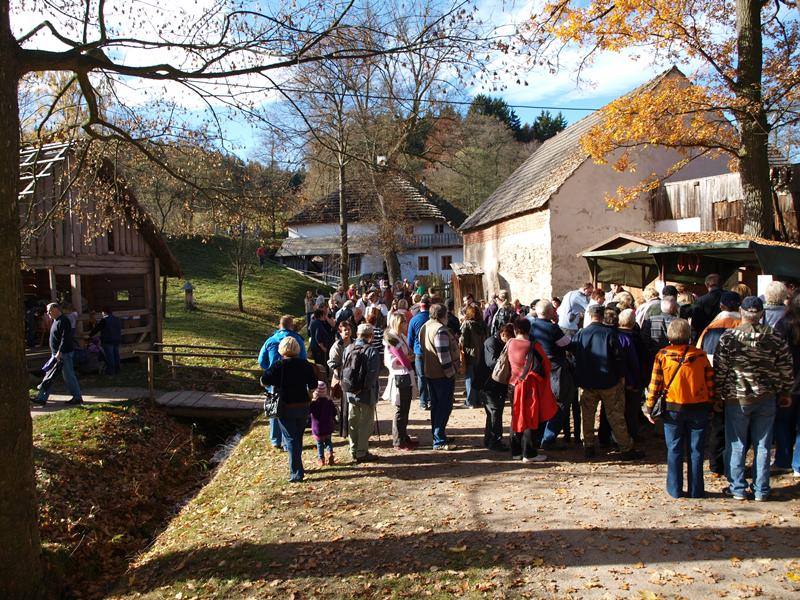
(533, 403)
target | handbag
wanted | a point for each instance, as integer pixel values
(661, 399)
(502, 369)
(273, 400)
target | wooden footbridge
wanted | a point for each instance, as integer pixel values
(188, 365)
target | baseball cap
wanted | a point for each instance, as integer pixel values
(752, 304)
(731, 300)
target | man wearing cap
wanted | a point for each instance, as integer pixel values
(361, 405)
(414, 327)
(752, 367)
(728, 318)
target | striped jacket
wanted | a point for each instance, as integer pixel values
(752, 364)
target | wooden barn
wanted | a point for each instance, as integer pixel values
(65, 258)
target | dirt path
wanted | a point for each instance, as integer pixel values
(468, 523)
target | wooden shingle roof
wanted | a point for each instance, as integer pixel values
(545, 171)
(417, 202)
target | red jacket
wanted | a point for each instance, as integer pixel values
(534, 402)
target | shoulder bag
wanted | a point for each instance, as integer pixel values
(272, 399)
(502, 368)
(661, 399)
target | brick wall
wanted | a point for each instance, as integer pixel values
(515, 255)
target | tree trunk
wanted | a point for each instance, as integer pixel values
(392, 265)
(753, 155)
(20, 548)
(239, 286)
(344, 264)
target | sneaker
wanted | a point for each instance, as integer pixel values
(589, 452)
(729, 493)
(761, 498)
(516, 456)
(555, 445)
(75, 401)
(632, 455)
(445, 447)
(331, 460)
(538, 458)
(38, 402)
(796, 474)
(321, 461)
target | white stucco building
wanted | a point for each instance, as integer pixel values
(527, 235)
(427, 228)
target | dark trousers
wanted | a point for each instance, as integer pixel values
(524, 443)
(785, 434)
(422, 384)
(633, 410)
(111, 353)
(716, 443)
(400, 421)
(292, 424)
(441, 391)
(494, 401)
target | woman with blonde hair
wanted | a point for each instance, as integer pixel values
(293, 378)
(683, 381)
(400, 386)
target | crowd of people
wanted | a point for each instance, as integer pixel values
(719, 370)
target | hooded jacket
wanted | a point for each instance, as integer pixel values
(709, 339)
(752, 364)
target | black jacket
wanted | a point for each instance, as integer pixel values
(110, 328)
(704, 310)
(294, 377)
(599, 359)
(61, 336)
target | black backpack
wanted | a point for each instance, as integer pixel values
(354, 370)
(501, 318)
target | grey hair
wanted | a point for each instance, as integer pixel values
(669, 305)
(53, 305)
(776, 293)
(542, 308)
(365, 331)
(752, 316)
(627, 319)
(679, 331)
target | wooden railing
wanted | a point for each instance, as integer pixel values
(173, 352)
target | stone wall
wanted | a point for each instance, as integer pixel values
(515, 255)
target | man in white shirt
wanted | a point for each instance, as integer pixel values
(573, 306)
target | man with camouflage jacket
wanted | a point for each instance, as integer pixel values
(753, 369)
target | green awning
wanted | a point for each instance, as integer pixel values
(637, 260)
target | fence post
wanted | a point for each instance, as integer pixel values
(151, 377)
(172, 360)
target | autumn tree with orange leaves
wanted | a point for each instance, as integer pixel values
(744, 57)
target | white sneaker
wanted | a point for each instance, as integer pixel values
(537, 458)
(796, 474)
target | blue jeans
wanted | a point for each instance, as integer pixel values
(275, 435)
(441, 394)
(757, 419)
(70, 379)
(472, 398)
(324, 444)
(111, 352)
(293, 424)
(787, 436)
(424, 394)
(685, 433)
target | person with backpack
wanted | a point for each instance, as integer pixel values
(360, 367)
(505, 314)
(440, 363)
(533, 403)
(414, 327)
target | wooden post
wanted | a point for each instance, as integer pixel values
(51, 278)
(77, 301)
(151, 377)
(157, 313)
(173, 360)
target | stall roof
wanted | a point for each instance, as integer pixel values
(637, 259)
(466, 268)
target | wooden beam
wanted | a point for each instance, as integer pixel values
(51, 277)
(158, 322)
(77, 300)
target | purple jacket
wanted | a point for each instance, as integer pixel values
(323, 415)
